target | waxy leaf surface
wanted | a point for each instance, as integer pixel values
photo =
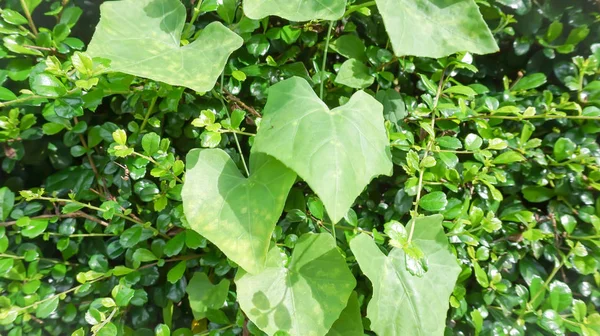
(306, 297)
(403, 304)
(295, 10)
(142, 38)
(337, 152)
(435, 28)
(235, 213)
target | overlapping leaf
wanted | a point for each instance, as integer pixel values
(295, 10)
(435, 28)
(306, 297)
(235, 213)
(403, 304)
(203, 295)
(337, 152)
(142, 38)
(350, 321)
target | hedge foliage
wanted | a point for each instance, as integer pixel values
(287, 167)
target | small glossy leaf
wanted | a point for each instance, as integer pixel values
(561, 296)
(403, 304)
(337, 152)
(435, 28)
(235, 213)
(295, 10)
(47, 307)
(434, 201)
(304, 298)
(142, 38)
(7, 200)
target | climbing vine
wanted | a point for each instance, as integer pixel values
(293, 167)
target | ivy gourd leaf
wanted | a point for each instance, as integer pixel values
(303, 298)
(142, 38)
(237, 214)
(203, 295)
(435, 28)
(403, 304)
(295, 10)
(350, 321)
(337, 152)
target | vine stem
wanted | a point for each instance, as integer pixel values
(355, 8)
(29, 19)
(324, 64)
(196, 12)
(89, 206)
(237, 142)
(537, 116)
(427, 150)
(147, 116)
(236, 132)
(547, 282)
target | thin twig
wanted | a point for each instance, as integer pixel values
(427, 150)
(76, 214)
(91, 161)
(325, 59)
(250, 109)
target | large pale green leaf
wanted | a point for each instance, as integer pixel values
(303, 298)
(435, 28)
(337, 152)
(295, 10)
(237, 214)
(403, 304)
(203, 295)
(142, 38)
(350, 321)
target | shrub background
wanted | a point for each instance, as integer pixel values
(518, 221)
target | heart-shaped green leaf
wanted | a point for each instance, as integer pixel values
(435, 28)
(337, 152)
(350, 321)
(403, 304)
(235, 213)
(203, 295)
(142, 38)
(304, 298)
(295, 10)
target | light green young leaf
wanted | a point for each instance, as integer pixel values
(237, 214)
(304, 298)
(295, 10)
(355, 74)
(203, 295)
(435, 28)
(403, 304)
(337, 152)
(142, 38)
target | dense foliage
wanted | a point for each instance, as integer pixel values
(276, 167)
